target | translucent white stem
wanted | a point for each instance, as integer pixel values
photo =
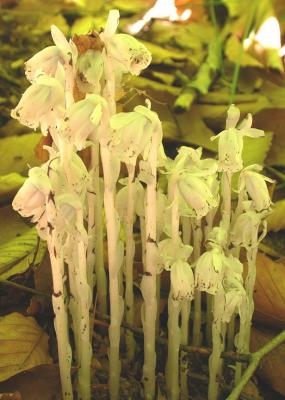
(174, 306)
(185, 316)
(84, 302)
(97, 246)
(148, 284)
(114, 263)
(61, 317)
(215, 361)
(197, 240)
(130, 252)
(227, 199)
(115, 246)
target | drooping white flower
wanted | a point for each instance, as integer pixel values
(32, 197)
(127, 53)
(169, 254)
(182, 280)
(42, 104)
(254, 184)
(132, 133)
(83, 118)
(245, 229)
(231, 140)
(46, 61)
(121, 201)
(235, 295)
(196, 194)
(209, 270)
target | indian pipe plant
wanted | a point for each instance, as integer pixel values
(189, 226)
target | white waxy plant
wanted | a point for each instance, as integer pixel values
(72, 98)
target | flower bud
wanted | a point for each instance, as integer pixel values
(209, 270)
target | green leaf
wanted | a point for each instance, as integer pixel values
(17, 153)
(87, 24)
(232, 51)
(276, 220)
(255, 150)
(19, 244)
(9, 185)
(24, 345)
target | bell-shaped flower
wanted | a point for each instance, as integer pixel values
(83, 118)
(46, 61)
(231, 141)
(209, 270)
(41, 104)
(196, 194)
(68, 205)
(127, 53)
(182, 280)
(169, 254)
(254, 184)
(235, 295)
(90, 69)
(31, 199)
(245, 229)
(132, 134)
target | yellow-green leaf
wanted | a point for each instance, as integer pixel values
(276, 220)
(18, 244)
(9, 185)
(24, 345)
(17, 153)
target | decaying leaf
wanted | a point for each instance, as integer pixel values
(39, 383)
(269, 293)
(273, 120)
(24, 345)
(276, 220)
(272, 367)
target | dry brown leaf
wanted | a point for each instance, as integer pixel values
(39, 383)
(24, 345)
(272, 367)
(269, 293)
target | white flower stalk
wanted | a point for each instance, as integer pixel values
(111, 54)
(231, 140)
(245, 233)
(35, 199)
(42, 104)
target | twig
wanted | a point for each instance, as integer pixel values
(255, 360)
(24, 288)
(204, 351)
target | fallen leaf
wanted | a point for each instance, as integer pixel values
(272, 367)
(276, 220)
(19, 244)
(269, 292)
(9, 185)
(39, 383)
(17, 153)
(24, 345)
(233, 51)
(273, 120)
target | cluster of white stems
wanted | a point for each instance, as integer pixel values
(188, 226)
